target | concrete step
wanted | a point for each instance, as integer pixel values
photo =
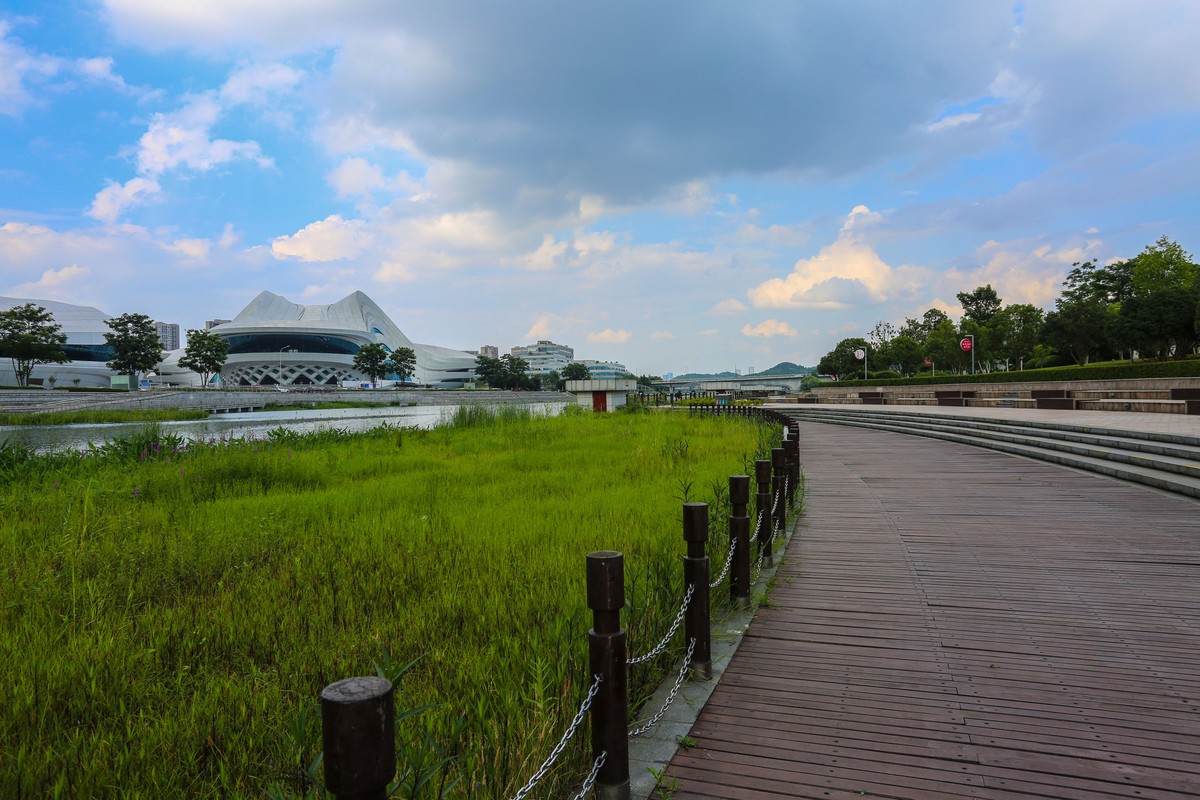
(1168, 463)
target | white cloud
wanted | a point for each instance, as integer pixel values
(358, 177)
(726, 307)
(662, 336)
(183, 138)
(100, 70)
(192, 248)
(258, 83)
(769, 328)
(954, 121)
(330, 239)
(548, 256)
(20, 67)
(844, 274)
(54, 284)
(395, 272)
(115, 197)
(609, 336)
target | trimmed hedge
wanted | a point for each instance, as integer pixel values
(1186, 368)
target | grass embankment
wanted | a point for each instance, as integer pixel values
(103, 416)
(168, 618)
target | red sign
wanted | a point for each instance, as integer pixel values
(928, 363)
(965, 344)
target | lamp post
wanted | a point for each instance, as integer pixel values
(282, 350)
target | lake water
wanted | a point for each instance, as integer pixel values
(45, 438)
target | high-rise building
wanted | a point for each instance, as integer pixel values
(168, 334)
(212, 323)
(489, 351)
(544, 356)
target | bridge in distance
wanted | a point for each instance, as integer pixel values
(781, 383)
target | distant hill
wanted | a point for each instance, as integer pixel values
(782, 368)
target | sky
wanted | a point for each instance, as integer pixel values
(679, 185)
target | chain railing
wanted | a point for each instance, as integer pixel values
(607, 698)
(683, 672)
(562, 743)
(662, 645)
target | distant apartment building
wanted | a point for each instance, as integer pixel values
(212, 323)
(545, 356)
(604, 370)
(489, 351)
(168, 334)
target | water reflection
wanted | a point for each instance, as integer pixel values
(46, 438)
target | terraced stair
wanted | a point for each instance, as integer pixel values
(1167, 462)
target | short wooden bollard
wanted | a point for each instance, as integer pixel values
(739, 536)
(606, 658)
(695, 575)
(762, 475)
(358, 731)
(779, 477)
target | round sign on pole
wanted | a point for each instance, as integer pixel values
(860, 354)
(965, 344)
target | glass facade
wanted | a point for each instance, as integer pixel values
(243, 344)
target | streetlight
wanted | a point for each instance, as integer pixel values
(282, 350)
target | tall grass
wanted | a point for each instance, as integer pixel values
(103, 416)
(169, 614)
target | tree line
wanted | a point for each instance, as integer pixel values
(1146, 306)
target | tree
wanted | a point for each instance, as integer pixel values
(840, 361)
(1077, 329)
(29, 336)
(980, 305)
(1164, 266)
(206, 353)
(943, 349)
(370, 360)
(489, 370)
(1017, 328)
(135, 344)
(1087, 281)
(1159, 323)
(920, 329)
(552, 380)
(905, 355)
(402, 361)
(516, 372)
(576, 372)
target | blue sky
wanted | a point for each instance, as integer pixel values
(680, 186)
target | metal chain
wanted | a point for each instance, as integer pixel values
(562, 743)
(687, 598)
(591, 778)
(725, 569)
(687, 660)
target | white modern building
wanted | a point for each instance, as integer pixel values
(84, 327)
(274, 341)
(544, 356)
(605, 370)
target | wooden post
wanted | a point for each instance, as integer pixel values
(762, 474)
(695, 574)
(358, 729)
(778, 479)
(606, 658)
(739, 536)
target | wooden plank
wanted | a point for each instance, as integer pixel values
(953, 622)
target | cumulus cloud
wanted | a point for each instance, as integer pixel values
(184, 139)
(548, 256)
(54, 284)
(358, 177)
(330, 239)
(847, 273)
(115, 197)
(768, 328)
(609, 336)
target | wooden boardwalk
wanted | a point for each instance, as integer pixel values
(955, 622)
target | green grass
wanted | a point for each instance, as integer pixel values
(169, 616)
(102, 416)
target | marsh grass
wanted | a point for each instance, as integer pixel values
(170, 613)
